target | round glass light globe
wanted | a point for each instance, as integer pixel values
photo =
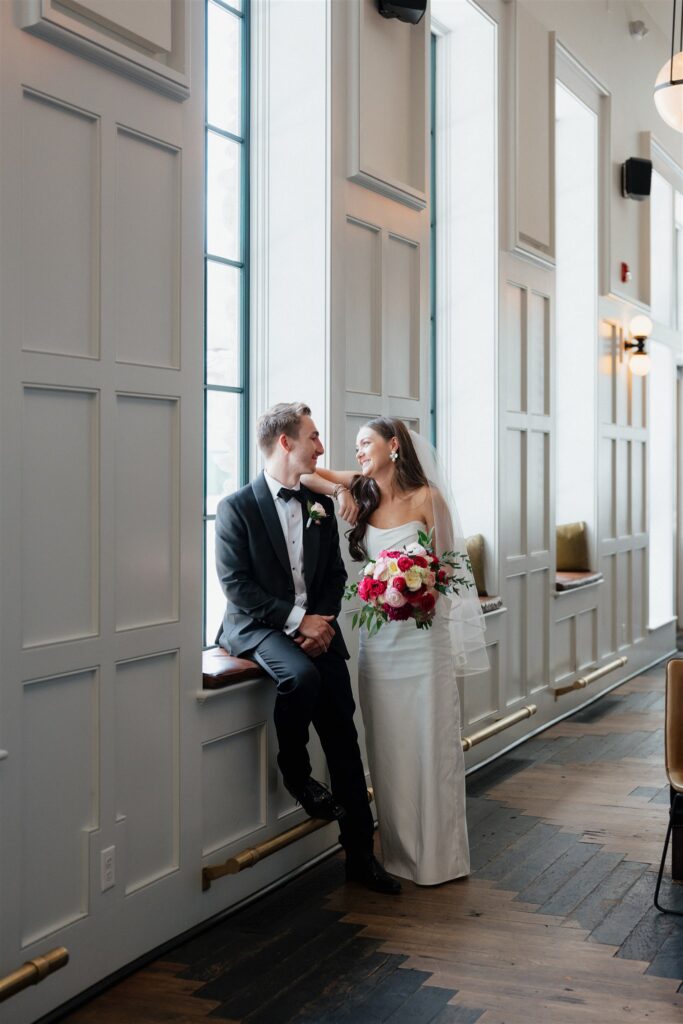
(669, 98)
(641, 326)
(639, 364)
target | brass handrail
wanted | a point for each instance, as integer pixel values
(598, 673)
(499, 726)
(33, 971)
(253, 854)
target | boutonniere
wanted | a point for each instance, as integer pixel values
(316, 512)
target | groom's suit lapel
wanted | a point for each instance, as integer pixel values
(271, 519)
(311, 539)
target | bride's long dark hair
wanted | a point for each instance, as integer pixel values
(409, 476)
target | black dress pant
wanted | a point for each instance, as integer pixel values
(318, 691)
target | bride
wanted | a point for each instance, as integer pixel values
(407, 677)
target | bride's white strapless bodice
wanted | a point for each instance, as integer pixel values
(411, 713)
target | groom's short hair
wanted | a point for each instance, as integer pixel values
(283, 418)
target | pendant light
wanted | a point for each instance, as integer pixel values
(669, 83)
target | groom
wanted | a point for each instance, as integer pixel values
(283, 576)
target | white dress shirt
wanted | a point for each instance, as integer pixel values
(291, 516)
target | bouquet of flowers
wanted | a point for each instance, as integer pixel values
(406, 584)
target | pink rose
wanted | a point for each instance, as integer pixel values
(394, 598)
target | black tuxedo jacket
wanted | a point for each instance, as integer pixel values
(254, 567)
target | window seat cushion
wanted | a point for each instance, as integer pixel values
(220, 669)
(489, 603)
(573, 580)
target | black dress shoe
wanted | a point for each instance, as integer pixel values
(369, 872)
(317, 800)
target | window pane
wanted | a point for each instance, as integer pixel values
(223, 285)
(224, 77)
(222, 446)
(215, 599)
(223, 196)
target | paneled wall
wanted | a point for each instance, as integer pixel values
(100, 404)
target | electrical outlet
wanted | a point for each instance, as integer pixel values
(108, 868)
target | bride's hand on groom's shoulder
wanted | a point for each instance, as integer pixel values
(348, 509)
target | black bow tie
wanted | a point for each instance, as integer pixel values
(286, 494)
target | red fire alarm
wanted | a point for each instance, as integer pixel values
(625, 273)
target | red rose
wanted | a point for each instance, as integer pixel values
(393, 554)
(405, 563)
(419, 560)
(427, 603)
(415, 596)
(369, 589)
(399, 584)
(442, 576)
(435, 561)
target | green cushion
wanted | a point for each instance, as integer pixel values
(572, 548)
(475, 549)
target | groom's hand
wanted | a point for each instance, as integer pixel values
(310, 647)
(318, 629)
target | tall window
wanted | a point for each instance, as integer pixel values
(226, 273)
(576, 224)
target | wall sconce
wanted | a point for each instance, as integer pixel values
(641, 329)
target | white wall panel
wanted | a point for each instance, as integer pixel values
(624, 598)
(535, 104)
(363, 307)
(234, 786)
(538, 469)
(515, 671)
(607, 612)
(538, 596)
(146, 511)
(59, 498)
(515, 512)
(387, 104)
(564, 647)
(401, 293)
(147, 775)
(586, 639)
(539, 355)
(481, 693)
(515, 346)
(639, 603)
(623, 489)
(608, 471)
(147, 251)
(60, 802)
(59, 243)
(638, 453)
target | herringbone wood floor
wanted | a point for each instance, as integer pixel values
(555, 925)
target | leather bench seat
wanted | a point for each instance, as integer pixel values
(220, 669)
(574, 580)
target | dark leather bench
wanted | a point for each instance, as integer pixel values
(574, 580)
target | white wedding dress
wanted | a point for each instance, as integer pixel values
(411, 712)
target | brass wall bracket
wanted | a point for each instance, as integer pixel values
(253, 854)
(33, 971)
(499, 726)
(592, 677)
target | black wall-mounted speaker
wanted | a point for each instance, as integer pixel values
(405, 10)
(636, 178)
